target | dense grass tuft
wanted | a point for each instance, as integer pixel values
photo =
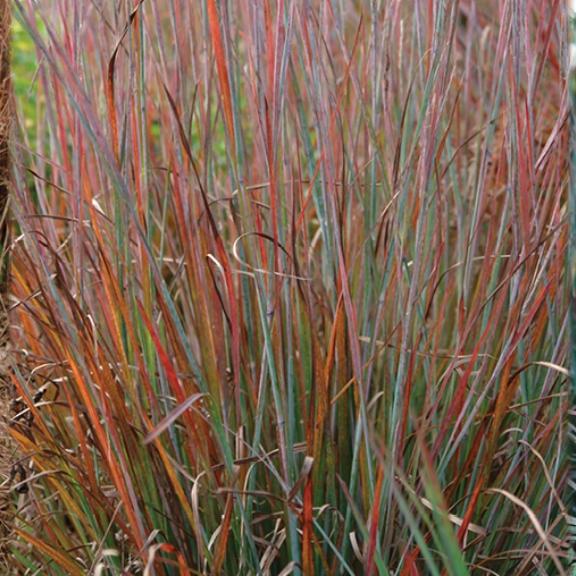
(289, 288)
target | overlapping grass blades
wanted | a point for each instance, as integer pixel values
(289, 289)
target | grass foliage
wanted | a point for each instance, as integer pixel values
(289, 288)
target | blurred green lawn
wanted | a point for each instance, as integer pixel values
(24, 65)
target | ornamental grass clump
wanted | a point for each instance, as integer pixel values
(289, 288)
